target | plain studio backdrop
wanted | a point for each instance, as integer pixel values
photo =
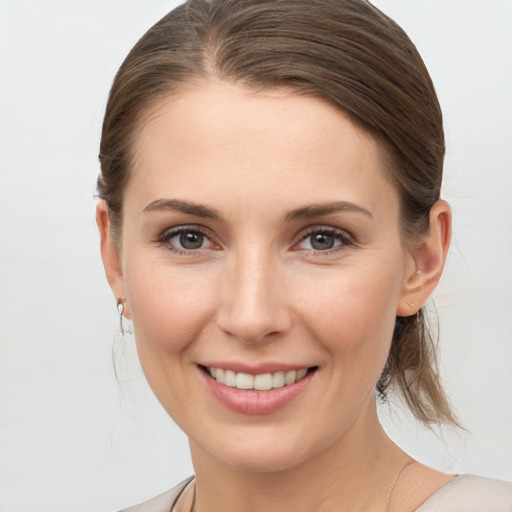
(71, 437)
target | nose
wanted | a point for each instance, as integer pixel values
(253, 298)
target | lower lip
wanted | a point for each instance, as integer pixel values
(254, 402)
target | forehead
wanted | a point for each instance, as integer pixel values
(222, 112)
(217, 137)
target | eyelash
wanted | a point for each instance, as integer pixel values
(168, 235)
(343, 237)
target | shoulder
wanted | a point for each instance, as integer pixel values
(470, 493)
(161, 503)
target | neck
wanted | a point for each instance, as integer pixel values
(356, 473)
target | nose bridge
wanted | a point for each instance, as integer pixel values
(252, 306)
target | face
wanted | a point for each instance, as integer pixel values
(261, 244)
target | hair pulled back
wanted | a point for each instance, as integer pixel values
(345, 51)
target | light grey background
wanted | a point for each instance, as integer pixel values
(70, 437)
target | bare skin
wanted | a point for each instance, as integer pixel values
(299, 261)
(416, 483)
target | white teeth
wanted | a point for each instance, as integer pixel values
(244, 381)
(300, 374)
(229, 379)
(261, 382)
(278, 380)
(289, 378)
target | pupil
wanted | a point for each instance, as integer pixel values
(322, 241)
(191, 240)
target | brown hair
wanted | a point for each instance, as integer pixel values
(345, 51)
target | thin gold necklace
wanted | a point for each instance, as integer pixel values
(388, 499)
(392, 488)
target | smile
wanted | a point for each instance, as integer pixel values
(260, 382)
(269, 391)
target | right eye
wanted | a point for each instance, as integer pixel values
(185, 239)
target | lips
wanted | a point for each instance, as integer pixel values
(256, 391)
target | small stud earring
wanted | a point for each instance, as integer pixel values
(120, 310)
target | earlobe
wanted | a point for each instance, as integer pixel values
(428, 257)
(109, 252)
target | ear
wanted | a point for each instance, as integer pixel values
(110, 254)
(427, 262)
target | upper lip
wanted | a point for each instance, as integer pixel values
(255, 369)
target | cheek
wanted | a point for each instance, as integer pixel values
(169, 309)
(353, 311)
(169, 306)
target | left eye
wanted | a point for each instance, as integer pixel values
(187, 239)
(324, 240)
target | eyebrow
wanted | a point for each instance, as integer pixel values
(305, 212)
(183, 206)
(317, 210)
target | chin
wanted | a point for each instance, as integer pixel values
(262, 460)
(261, 451)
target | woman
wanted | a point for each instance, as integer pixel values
(271, 221)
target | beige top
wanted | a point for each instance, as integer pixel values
(465, 493)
